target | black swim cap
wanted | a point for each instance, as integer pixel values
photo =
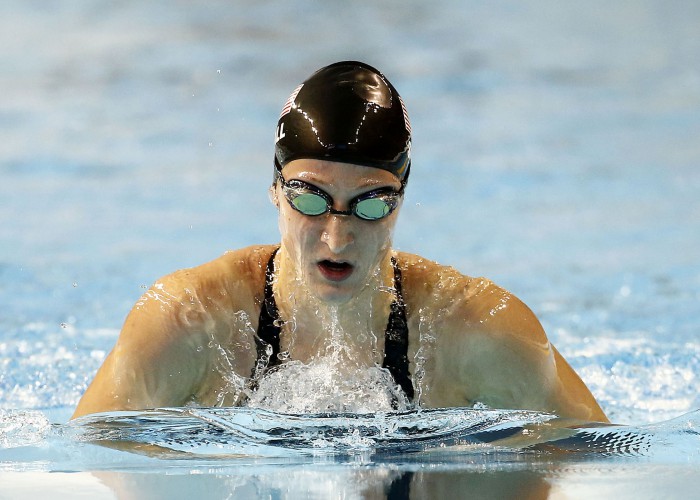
(346, 112)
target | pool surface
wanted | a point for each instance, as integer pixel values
(555, 152)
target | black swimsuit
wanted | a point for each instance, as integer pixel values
(395, 337)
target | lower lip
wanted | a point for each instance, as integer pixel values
(335, 273)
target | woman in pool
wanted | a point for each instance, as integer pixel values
(211, 335)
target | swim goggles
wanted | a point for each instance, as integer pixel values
(310, 200)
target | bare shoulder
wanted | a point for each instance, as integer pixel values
(237, 276)
(488, 345)
(233, 281)
(189, 309)
(168, 347)
(467, 303)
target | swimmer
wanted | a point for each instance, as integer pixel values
(207, 336)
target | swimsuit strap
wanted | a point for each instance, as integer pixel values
(396, 338)
(269, 328)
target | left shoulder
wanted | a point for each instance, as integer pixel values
(465, 303)
(488, 345)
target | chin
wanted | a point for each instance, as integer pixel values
(333, 294)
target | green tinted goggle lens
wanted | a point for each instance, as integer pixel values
(310, 204)
(372, 208)
(310, 200)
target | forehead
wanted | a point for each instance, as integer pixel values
(335, 173)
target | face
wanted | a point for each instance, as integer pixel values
(335, 255)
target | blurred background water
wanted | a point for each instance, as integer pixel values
(555, 151)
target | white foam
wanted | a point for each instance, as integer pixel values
(322, 385)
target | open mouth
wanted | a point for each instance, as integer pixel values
(335, 271)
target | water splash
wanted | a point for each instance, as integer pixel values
(332, 381)
(425, 354)
(323, 385)
(228, 354)
(439, 432)
(22, 428)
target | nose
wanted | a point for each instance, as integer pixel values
(338, 233)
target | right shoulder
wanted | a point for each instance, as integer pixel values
(167, 348)
(235, 269)
(231, 282)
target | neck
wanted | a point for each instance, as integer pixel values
(315, 328)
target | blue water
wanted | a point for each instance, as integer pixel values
(555, 152)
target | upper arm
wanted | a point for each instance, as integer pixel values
(503, 358)
(173, 338)
(158, 359)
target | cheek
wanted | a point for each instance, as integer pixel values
(376, 239)
(297, 232)
(384, 230)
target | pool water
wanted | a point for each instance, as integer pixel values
(555, 152)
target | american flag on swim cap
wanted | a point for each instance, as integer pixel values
(290, 102)
(405, 116)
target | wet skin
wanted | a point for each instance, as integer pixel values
(335, 257)
(484, 345)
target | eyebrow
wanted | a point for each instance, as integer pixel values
(367, 183)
